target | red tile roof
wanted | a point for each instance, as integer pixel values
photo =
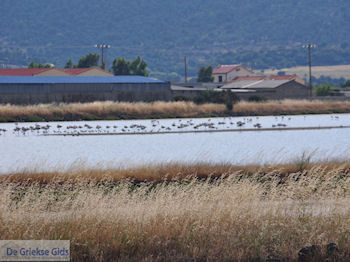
(257, 78)
(74, 71)
(284, 77)
(78, 71)
(37, 71)
(22, 71)
(224, 69)
(247, 78)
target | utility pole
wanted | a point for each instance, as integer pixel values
(102, 47)
(185, 69)
(309, 46)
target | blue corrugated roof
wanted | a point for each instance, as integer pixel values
(76, 79)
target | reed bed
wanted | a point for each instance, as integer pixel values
(224, 214)
(108, 109)
(169, 172)
(123, 110)
(293, 106)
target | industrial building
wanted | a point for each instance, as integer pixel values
(269, 87)
(56, 89)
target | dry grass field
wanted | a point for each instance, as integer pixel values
(337, 71)
(119, 110)
(183, 213)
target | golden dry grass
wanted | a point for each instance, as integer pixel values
(167, 172)
(108, 108)
(292, 106)
(105, 110)
(246, 215)
(336, 71)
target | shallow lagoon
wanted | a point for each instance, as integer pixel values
(48, 146)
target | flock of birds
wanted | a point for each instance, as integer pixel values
(152, 126)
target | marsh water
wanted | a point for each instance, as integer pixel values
(127, 143)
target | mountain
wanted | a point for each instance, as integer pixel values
(257, 33)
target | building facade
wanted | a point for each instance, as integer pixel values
(57, 89)
(247, 87)
(269, 89)
(226, 73)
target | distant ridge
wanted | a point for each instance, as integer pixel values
(247, 32)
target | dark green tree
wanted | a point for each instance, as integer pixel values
(346, 83)
(40, 65)
(32, 65)
(69, 64)
(205, 74)
(138, 67)
(88, 61)
(230, 98)
(226, 97)
(121, 66)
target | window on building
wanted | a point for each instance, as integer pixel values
(220, 78)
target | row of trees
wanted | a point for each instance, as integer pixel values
(39, 65)
(120, 66)
(87, 61)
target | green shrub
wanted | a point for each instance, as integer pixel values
(181, 98)
(346, 83)
(229, 105)
(257, 99)
(219, 97)
(323, 90)
(34, 118)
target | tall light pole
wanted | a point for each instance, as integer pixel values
(309, 46)
(185, 60)
(102, 47)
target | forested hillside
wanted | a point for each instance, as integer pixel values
(257, 33)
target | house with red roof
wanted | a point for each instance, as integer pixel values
(226, 73)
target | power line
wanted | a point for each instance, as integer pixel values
(47, 47)
(309, 46)
(102, 47)
(159, 50)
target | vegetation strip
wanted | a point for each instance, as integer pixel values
(184, 213)
(202, 131)
(122, 110)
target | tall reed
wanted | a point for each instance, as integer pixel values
(241, 216)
